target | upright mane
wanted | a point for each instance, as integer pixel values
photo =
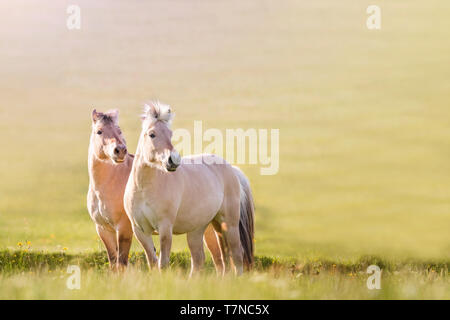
(105, 118)
(111, 116)
(157, 111)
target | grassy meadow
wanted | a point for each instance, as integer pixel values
(364, 139)
(38, 275)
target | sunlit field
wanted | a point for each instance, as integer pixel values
(42, 275)
(364, 139)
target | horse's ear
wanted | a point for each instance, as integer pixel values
(95, 116)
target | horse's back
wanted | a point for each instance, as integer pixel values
(221, 176)
(210, 166)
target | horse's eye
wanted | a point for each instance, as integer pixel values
(152, 135)
(99, 132)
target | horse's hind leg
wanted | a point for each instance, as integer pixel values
(195, 243)
(233, 240)
(226, 255)
(229, 223)
(212, 242)
(109, 240)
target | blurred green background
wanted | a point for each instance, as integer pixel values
(364, 116)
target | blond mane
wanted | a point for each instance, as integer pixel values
(157, 111)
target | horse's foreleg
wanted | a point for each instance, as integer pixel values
(124, 238)
(109, 240)
(146, 242)
(165, 239)
(212, 241)
(195, 243)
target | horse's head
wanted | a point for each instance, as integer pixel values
(155, 144)
(107, 141)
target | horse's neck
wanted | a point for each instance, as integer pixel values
(144, 176)
(101, 173)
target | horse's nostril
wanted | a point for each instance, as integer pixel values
(125, 150)
(172, 163)
(116, 151)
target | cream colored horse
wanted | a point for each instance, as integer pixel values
(109, 166)
(174, 197)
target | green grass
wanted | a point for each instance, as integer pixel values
(363, 118)
(43, 275)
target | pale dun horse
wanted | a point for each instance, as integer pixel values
(109, 166)
(171, 196)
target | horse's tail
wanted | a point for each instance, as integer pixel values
(246, 220)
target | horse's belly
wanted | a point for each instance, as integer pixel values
(191, 217)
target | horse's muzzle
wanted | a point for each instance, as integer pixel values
(120, 152)
(173, 161)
